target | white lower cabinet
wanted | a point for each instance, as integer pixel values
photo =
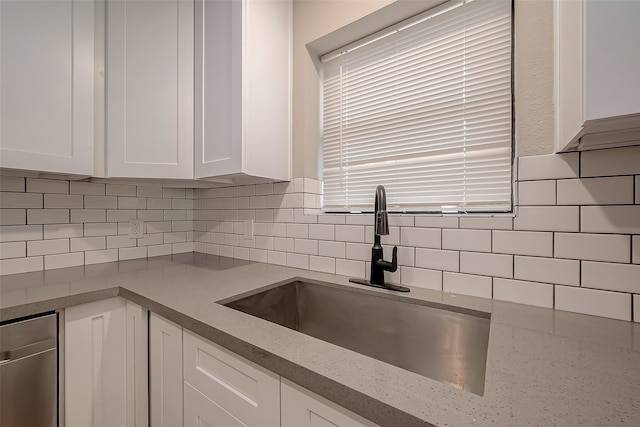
(165, 372)
(222, 386)
(302, 408)
(105, 364)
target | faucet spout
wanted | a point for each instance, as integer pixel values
(378, 264)
(381, 218)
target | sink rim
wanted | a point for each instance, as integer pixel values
(350, 287)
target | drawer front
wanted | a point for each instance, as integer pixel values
(201, 411)
(245, 390)
(302, 408)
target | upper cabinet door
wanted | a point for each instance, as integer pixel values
(150, 88)
(243, 89)
(47, 85)
(597, 62)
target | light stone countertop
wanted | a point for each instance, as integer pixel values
(544, 367)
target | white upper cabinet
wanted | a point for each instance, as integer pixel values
(243, 89)
(47, 85)
(597, 69)
(150, 88)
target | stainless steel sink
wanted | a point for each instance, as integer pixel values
(445, 345)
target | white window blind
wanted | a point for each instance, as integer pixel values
(425, 109)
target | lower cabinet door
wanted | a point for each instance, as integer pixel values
(200, 411)
(165, 372)
(240, 388)
(302, 408)
(96, 364)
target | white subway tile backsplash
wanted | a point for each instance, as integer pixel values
(531, 193)
(304, 246)
(594, 247)
(300, 231)
(621, 161)
(283, 215)
(258, 255)
(21, 265)
(132, 253)
(143, 191)
(35, 185)
(298, 261)
(332, 219)
(121, 190)
(358, 251)
(486, 264)
(435, 259)
(437, 221)
(13, 216)
(97, 257)
(21, 200)
(596, 191)
(155, 203)
(46, 247)
(63, 201)
(552, 166)
(88, 215)
(532, 243)
(476, 254)
(278, 258)
(263, 215)
(13, 250)
(467, 240)
(47, 216)
(100, 202)
(487, 222)
(14, 233)
(547, 218)
(88, 244)
(547, 270)
(350, 233)
(332, 249)
(322, 264)
(467, 284)
(284, 244)
(611, 219)
(614, 305)
(132, 203)
(518, 291)
(151, 240)
(72, 259)
(421, 278)
(347, 267)
(421, 237)
(115, 242)
(12, 183)
(610, 276)
(321, 231)
(159, 250)
(89, 188)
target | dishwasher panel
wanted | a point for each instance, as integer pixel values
(28, 373)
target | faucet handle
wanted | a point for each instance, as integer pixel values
(394, 259)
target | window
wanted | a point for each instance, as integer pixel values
(424, 108)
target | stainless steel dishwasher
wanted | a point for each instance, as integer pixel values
(28, 372)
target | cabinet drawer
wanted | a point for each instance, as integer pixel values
(302, 408)
(199, 410)
(245, 390)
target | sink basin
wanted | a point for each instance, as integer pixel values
(444, 345)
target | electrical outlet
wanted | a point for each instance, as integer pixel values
(136, 229)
